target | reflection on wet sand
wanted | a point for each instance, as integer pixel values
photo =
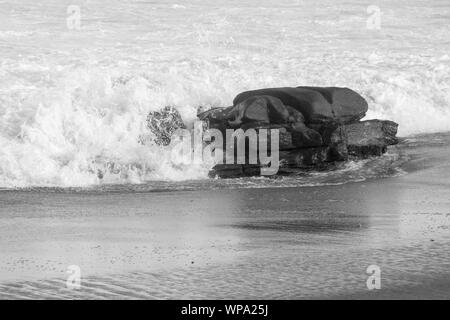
(249, 243)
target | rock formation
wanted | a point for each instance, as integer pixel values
(316, 127)
(318, 105)
(370, 138)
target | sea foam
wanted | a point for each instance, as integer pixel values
(73, 104)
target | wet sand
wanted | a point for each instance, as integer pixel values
(270, 243)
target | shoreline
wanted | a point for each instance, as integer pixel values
(285, 243)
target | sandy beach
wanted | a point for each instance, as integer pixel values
(83, 182)
(263, 243)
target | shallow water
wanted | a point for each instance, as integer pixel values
(249, 243)
(412, 154)
(232, 240)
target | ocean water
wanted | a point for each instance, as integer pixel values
(74, 96)
(74, 99)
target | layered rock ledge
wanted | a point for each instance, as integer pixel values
(317, 126)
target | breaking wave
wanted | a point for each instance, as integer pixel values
(73, 114)
(89, 127)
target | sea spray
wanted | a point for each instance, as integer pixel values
(73, 103)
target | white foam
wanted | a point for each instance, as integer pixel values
(88, 129)
(416, 93)
(73, 104)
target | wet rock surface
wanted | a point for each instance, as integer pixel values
(316, 127)
(318, 105)
(371, 137)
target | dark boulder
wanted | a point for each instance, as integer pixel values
(263, 109)
(347, 105)
(164, 123)
(255, 110)
(371, 137)
(318, 128)
(304, 137)
(317, 105)
(260, 112)
(215, 118)
(335, 137)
